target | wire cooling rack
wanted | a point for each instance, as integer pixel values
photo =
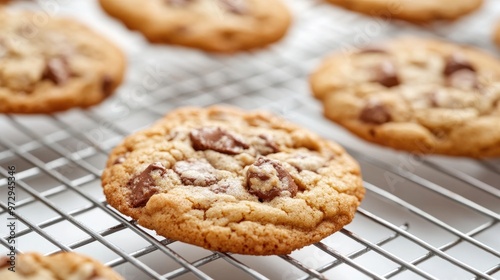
(423, 217)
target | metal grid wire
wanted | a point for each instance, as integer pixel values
(423, 217)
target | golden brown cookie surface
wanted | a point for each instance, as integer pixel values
(418, 95)
(496, 35)
(74, 266)
(415, 11)
(212, 25)
(233, 181)
(54, 65)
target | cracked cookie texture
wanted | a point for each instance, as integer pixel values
(419, 95)
(231, 180)
(54, 65)
(211, 25)
(421, 11)
(60, 266)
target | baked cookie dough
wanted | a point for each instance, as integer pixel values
(419, 95)
(66, 265)
(211, 25)
(496, 35)
(233, 181)
(54, 65)
(419, 11)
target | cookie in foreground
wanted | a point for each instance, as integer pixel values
(418, 95)
(410, 10)
(236, 181)
(54, 65)
(211, 25)
(66, 265)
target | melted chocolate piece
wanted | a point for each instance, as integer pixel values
(270, 145)
(375, 113)
(464, 79)
(456, 62)
(57, 70)
(238, 7)
(260, 180)
(196, 173)
(217, 139)
(107, 85)
(142, 187)
(386, 74)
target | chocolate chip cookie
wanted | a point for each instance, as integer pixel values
(233, 181)
(410, 10)
(54, 65)
(211, 25)
(418, 95)
(59, 266)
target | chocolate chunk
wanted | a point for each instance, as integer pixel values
(238, 7)
(178, 3)
(57, 70)
(386, 74)
(196, 173)
(456, 62)
(217, 139)
(107, 85)
(142, 186)
(464, 79)
(375, 113)
(269, 146)
(268, 179)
